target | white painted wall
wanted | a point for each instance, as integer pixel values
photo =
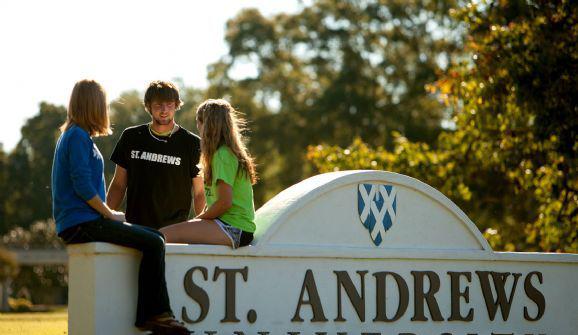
(314, 225)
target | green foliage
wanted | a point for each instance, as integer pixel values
(516, 102)
(25, 172)
(8, 265)
(40, 281)
(514, 109)
(40, 235)
(415, 159)
(334, 71)
(355, 76)
(26, 179)
(3, 188)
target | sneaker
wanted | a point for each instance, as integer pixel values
(165, 325)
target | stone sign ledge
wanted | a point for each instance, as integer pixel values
(337, 252)
(326, 244)
(320, 218)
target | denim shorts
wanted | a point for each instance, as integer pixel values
(238, 237)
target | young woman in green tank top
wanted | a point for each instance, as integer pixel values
(229, 175)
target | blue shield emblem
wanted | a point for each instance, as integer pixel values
(377, 208)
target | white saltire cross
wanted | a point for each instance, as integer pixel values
(379, 215)
(388, 201)
(367, 200)
(370, 207)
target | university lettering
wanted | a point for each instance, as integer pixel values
(498, 290)
(385, 332)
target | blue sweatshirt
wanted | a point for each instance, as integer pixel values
(77, 176)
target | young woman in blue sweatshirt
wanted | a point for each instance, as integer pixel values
(82, 216)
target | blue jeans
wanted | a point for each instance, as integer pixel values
(153, 298)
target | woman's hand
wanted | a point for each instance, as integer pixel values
(98, 205)
(223, 203)
(117, 216)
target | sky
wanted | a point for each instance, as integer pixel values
(46, 46)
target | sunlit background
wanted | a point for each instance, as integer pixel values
(46, 46)
(478, 99)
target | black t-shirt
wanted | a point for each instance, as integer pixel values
(160, 172)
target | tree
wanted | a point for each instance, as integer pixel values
(515, 141)
(517, 101)
(8, 270)
(25, 183)
(28, 169)
(41, 281)
(3, 190)
(331, 72)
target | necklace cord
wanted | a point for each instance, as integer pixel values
(175, 127)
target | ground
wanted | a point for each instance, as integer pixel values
(48, 323)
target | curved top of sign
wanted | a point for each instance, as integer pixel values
(366, 210)
(358, 214)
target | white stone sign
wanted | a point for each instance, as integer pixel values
(354, 252)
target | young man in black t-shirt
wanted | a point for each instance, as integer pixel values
(156, 165)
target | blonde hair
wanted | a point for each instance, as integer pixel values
(88, 109)
(220, 124)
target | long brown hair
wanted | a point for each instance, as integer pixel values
(88, 109)
(220, 124)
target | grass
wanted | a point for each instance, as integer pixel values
(46, 323)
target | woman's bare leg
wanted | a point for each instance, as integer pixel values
(196, 231)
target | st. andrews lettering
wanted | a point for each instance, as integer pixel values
(149, 156)
(240, 332)
(498, 290)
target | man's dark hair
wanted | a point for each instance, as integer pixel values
(161, 91)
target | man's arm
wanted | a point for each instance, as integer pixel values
(199, 195)
(98, 205)
(117, 188)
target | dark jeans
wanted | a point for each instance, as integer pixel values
(153, 298)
